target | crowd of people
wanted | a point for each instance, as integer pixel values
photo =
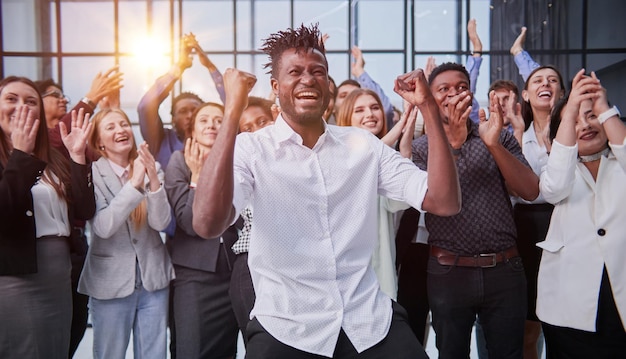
(324, 223)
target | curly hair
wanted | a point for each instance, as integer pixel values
(302, 38)
(183, 96)
(448, 66)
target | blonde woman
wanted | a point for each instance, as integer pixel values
(364, 109)
(128, 269)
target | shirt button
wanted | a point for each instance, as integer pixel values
(601, 232)
(29, 213)
(135, 240)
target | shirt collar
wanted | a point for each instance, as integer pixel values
(284, 132)
(529, 135)
(117, 169)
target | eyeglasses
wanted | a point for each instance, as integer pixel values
(56, 94)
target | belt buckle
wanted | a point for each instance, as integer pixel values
(493, 256)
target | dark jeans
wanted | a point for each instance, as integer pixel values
(241, 293)
(496, 295)
(400, 343)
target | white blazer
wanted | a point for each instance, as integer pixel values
(587, 232)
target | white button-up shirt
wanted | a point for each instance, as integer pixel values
(315, 228)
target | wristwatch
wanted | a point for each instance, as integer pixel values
(88, 102)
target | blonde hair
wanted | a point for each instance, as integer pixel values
(139, 215)
(344, 115)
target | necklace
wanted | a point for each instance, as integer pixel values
(595, 156)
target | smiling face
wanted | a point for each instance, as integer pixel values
(12, 96)
(590, 133)
(543, 89)
(115, 135)
(301, 84)
(55, 105)
(447, 86)
(368, 114)
(206, 124)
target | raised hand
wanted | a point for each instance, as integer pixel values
(187, 44)
(105, 84)
(477, 45)
(490, 129)
(457, 112)
(24, 130)
(237, 85)
(194, 158)
(358, 66)
(430, 66)
(76, 140)
(583, 88)
(406, 141)
(112, 100)
(601, 102)
(518, 45)
(413, 87)
(324, 38)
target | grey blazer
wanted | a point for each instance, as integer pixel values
(117, 247)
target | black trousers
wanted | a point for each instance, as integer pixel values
(400, 343)
(241, 293)
(80, 310)
(608, 342)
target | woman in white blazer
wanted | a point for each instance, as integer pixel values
(128, 269)
(582, 277)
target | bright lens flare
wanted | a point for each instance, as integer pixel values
(149, 51)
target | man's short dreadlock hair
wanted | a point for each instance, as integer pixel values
(302, 38)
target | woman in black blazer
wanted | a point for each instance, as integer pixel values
(39, 191)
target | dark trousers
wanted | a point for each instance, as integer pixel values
(412, 287)
(80, 311)
(532, 222)
(608, 342)
(496, 295)
(204, 320)
(242, 293)
(400, 343)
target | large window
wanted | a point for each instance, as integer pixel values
(72, 40)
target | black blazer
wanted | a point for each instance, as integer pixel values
(18, 246)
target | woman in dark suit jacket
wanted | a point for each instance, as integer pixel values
(39, 191)
(203, 316)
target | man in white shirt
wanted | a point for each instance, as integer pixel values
(314, 189)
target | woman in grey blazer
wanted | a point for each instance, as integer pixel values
(127, 270)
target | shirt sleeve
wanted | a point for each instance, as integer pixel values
(557, 181)
(525, 64)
